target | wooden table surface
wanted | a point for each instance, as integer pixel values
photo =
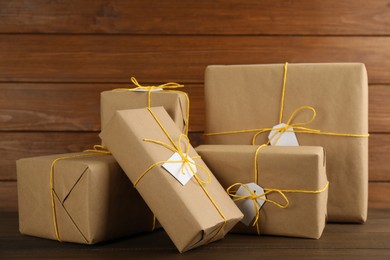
(343, 241)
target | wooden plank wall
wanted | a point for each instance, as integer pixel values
(57, 56)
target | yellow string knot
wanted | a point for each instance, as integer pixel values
(232, 190)
(185, 160)
(289, 126)
(169, 85)
(254, 197)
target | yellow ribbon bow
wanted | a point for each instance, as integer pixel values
(254, 197)
(297, 127)
(185, 159)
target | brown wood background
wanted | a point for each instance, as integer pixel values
(57, 56)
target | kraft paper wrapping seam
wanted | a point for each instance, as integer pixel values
(296, 127)
(97, 150)
(185, 161)
(167, 87)
(253, 196)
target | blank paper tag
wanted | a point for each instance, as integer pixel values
(247, 206)
(146, 90)
(283, 139)
(175, 168)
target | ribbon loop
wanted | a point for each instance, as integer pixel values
(296, 111)
(253, 196)
(184, 155)
(97, 148)
(297, 127)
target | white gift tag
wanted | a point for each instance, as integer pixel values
(174, 166)
(146, 90)
(287, 138)
(247, 206)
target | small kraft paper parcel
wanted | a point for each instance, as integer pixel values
(323, 104)
(79, 197)
(175, 102)
(183, 194)
(281, 190)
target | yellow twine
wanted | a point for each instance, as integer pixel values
(185, 160)
(296, 127)
(167, 87)
(283, 92)
(253, 196)
(95, 151)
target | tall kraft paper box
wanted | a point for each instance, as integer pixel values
(191, 214)
(242, 97)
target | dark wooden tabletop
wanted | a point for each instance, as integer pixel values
(343, 241)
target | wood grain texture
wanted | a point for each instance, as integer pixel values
(50, 107)
(210, 251)
(57, 56)
(114, 58)
(8, 195)
(368, 241)
(316, 17)
(75, 107)
(379, 108)
(68, 107)
(379, 157)
(18, 145)
(379, 195)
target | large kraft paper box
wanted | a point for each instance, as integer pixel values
(187, 214)
(283, 168)
(174, 102)
(249, 97)
(94, 200)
